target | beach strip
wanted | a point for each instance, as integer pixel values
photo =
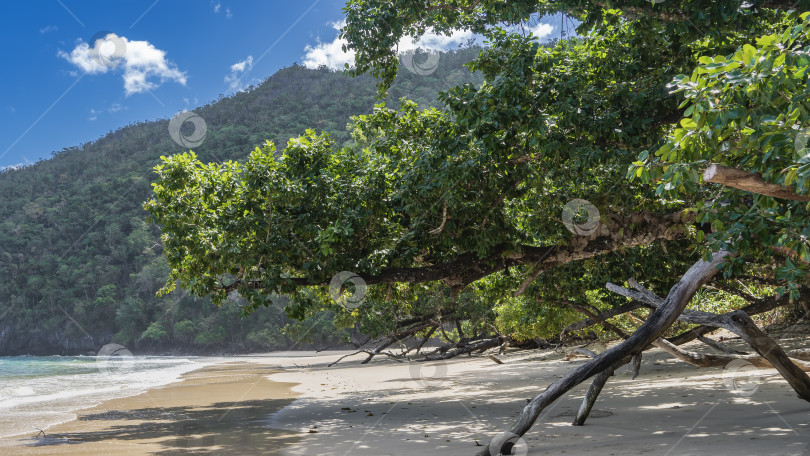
(220, 409)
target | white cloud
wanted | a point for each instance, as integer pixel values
(238, 69)
(140, 60)
(541, 31)
(244, 64)
(12, 167)
(115, 107)
(435, 42)
(48, 28)
(19, 165)
(331, 55)
(218, 8)
(82, 57)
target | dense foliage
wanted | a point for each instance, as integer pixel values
(462, 205)
(80, 264)
(748, 109)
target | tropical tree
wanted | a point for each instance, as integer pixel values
(571, 165)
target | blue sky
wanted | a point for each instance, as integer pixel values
(61, 87)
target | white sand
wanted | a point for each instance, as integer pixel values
(445, 407)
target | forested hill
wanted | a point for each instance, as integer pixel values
(79, 264)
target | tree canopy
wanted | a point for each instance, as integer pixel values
(474, 191)
(571, 164)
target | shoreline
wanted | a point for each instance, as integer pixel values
(293, 404)
(66, 405)
(220, 408)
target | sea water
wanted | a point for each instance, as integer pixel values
(40, 391)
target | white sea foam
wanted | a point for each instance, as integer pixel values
(39, 392)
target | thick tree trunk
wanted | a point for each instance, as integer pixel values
(748, 181)
(696, 359)
(656, 324)
(707, 359)
(757, 307)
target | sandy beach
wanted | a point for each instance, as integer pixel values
(219, 409)
(293, 404)
(450, 407)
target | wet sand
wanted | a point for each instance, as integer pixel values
(221, 409)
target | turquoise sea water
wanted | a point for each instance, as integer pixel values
(39, 391)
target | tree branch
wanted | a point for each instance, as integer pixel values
(677, 299)
(613, 234)
(582, 324)
(749, 182)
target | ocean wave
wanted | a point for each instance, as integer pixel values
(45, 388)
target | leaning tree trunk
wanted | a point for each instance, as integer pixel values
(656, 324)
